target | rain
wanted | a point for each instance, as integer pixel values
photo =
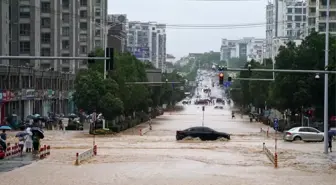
(157, 158)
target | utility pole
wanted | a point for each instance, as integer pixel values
(326, 58)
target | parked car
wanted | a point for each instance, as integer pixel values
(204, 133)
(304, 134)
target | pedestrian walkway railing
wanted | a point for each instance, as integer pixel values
(88, 154)
(272, 157)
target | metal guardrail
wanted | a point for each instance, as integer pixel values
(272, 157)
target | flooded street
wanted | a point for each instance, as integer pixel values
(157, 158)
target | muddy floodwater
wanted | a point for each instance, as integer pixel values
(158, 159)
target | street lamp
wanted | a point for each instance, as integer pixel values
(105, 28)
(326, 58)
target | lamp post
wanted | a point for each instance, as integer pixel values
(326, 58)
(105, 28)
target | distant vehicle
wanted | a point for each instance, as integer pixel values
(204, 133)
(220, 100)
(304, 134)
(219, 107)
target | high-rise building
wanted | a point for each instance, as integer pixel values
(317, 12)
(147, 41)
(52, 28)
(248, 48)
(285, 19)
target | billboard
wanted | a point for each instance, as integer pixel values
(139, 52)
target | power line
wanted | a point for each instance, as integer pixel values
(174, 26)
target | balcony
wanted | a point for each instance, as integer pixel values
(331, 19)
(312, 14)
(324, 7)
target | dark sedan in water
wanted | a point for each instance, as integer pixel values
(204, 133)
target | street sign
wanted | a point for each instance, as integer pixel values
(276, 123)
(227, 84)
(203, 108)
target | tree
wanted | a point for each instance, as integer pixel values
(293, 90)
(93, 93)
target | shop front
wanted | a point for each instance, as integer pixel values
(28, 98)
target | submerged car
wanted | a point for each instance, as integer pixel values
(204, 133)
(304, 134)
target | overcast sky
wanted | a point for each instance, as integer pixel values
(180, 42)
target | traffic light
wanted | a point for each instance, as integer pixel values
(110, 62)
(221, 78)
(91, 61)
(229, 79)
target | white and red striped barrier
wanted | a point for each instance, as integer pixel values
(143, 131)
(12, 151)
(265, 131)
(86, 155)
(44, 151)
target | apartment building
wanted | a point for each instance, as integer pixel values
(147, 42)
(248, 47)
(317, 12)
(51, 28)
(285, 19)
(117, 25)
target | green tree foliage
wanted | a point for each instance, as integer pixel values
(114, 96)
(292, 90)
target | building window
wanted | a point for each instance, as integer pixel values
(65, 4)
(83, 25)
(45, 52)
(45, 7)
(45, 38)
(83, 14)
(66, 17)
(65, 31)
(24, 29)
(24, 12)
(97, 2)
(65, 61)
(298, 10)
(45, 22)
(82, 37)
(289, 18)
(98, 21)
(65, 44)
(298, 18)
(24, 47)
(97, 13)
(98, 33)
(289, 25)
(83, 49)
(98, 44)
(83, 2)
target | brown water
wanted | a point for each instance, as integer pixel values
(158, 159)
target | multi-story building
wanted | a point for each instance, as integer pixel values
(285, 19)
(147, 42)
(117, 25)
(317, 11)
(51, 28)
(248, 47)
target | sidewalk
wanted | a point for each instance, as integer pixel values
(15, 162)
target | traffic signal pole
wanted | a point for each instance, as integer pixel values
(283, 71)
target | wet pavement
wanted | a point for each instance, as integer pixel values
(7, 165)
(158, 159)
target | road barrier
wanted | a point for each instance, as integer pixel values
(272, 157)
(265, 131)
(44, 152)
(86, 155)
(143, 131)
(12, 151)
